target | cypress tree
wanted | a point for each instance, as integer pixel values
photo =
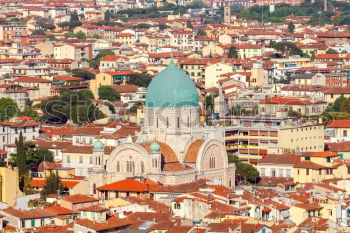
(53, 185)
(20, 159)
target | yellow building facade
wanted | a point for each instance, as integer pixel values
(9, 186)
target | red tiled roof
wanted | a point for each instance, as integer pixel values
(28, 214)
(192, 151)
(131, 185)
(40, 183)
(125, 88)
(338, 90)
(282, 100)
(58, 210)
(308, 164)
(110, 58)
(31, 80)
(308, 206)
(288, 158)
(111, 223)
(338, 124)
(79, 198)
(67, 78)
(168, 155)
(324, 154)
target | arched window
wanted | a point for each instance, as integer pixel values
(212, 161)
(118, 167)
(127, 166)
(142, 167)
(94, 188)
(99, 161)
(167, 122)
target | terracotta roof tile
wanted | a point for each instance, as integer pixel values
(192, 151)
(79, 198)
(131, 185)
(168, 155)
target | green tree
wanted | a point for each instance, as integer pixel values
(135, 106)
(107, 16)
(95, 62)
(27, 188)
(139, 79)
(201, 32)
(286, 48)
(47, 26)
(53, 185)
(74, 17)
(8, 109)
(331, 51)
(28, 111)
(70, 105)
(87, 75)
(20, 158)
(162, 26)
(70, 35)
(291, 27)
(80, 35)
(33, 156)
(232, 52)
(87, 94)
(36, 156)
(337, 105)
(73, 22)
(108, 93)
(244, 172)
(38, 32)
(292, 113)
(189, 24)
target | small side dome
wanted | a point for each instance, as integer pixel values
(98, 145)
(155, 147)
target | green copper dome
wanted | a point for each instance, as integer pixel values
(172, 88)
(98, 145)
(155, 147)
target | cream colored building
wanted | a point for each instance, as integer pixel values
(213, 72)
(212, 49)
(259, 76)
(279, 106)
(252, 137)
(125, 38)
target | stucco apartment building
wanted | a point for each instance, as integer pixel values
(154, 42)
(252, 137)
(279, 106)
(9, 131)
(79, 52)
(307, 167)
(332, 94)
(36, 87)
(338, 130)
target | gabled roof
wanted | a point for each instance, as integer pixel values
(288, 158)
(282, 100)
(338, 124)
(309, 206)
(131, 185)
(28, 214)
(31, 80)
(79, 198)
